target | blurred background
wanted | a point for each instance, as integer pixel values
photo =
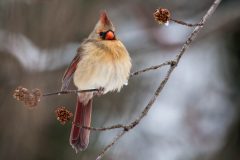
(196, 117)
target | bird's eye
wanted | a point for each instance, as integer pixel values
(108, 35)
(102, 34)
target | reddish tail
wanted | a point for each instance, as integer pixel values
(79, 137)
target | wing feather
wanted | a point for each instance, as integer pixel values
(70, 70)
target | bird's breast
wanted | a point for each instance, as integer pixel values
(104, 64)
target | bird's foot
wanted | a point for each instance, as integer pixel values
(99, 92)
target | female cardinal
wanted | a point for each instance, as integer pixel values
(102, 62)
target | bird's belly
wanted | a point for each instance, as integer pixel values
(110, 76)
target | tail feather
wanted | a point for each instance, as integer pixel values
(79, 137)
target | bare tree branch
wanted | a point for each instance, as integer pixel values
(105, 128)
(184, 23)
(163, 82)
(153, 68)
(172, 65)
(95, 90)
(110, 144)
(69, 92)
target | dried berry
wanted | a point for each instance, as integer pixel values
(162, 15)
(30, 99)
(63, 114)
(37, 93)
(19, 93)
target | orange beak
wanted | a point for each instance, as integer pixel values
(110, 35)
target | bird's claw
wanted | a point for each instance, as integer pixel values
(100, 91)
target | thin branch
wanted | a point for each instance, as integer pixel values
(152, 68)
(106, 128)
(172, 65)
(70, 92)
(94, 90)
(111, 144)
(149, 68)
(197, 29)
(163, 82)
(184, 23)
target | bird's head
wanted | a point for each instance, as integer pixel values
(104, 29)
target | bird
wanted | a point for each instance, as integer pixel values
(102, 62)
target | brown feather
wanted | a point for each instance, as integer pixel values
(79, 137)
(70, 70)
(104, 18)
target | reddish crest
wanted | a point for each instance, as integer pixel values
(104, 18)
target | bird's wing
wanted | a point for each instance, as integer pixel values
(71, 69)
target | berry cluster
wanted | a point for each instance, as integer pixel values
(63, 114)
(29, 98)
(162, 15)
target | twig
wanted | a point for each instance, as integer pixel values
(94, 90)
(111, 144)
(152, 68)
(70, 92)
(184, 23)
(105, 128)
(163, 82)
